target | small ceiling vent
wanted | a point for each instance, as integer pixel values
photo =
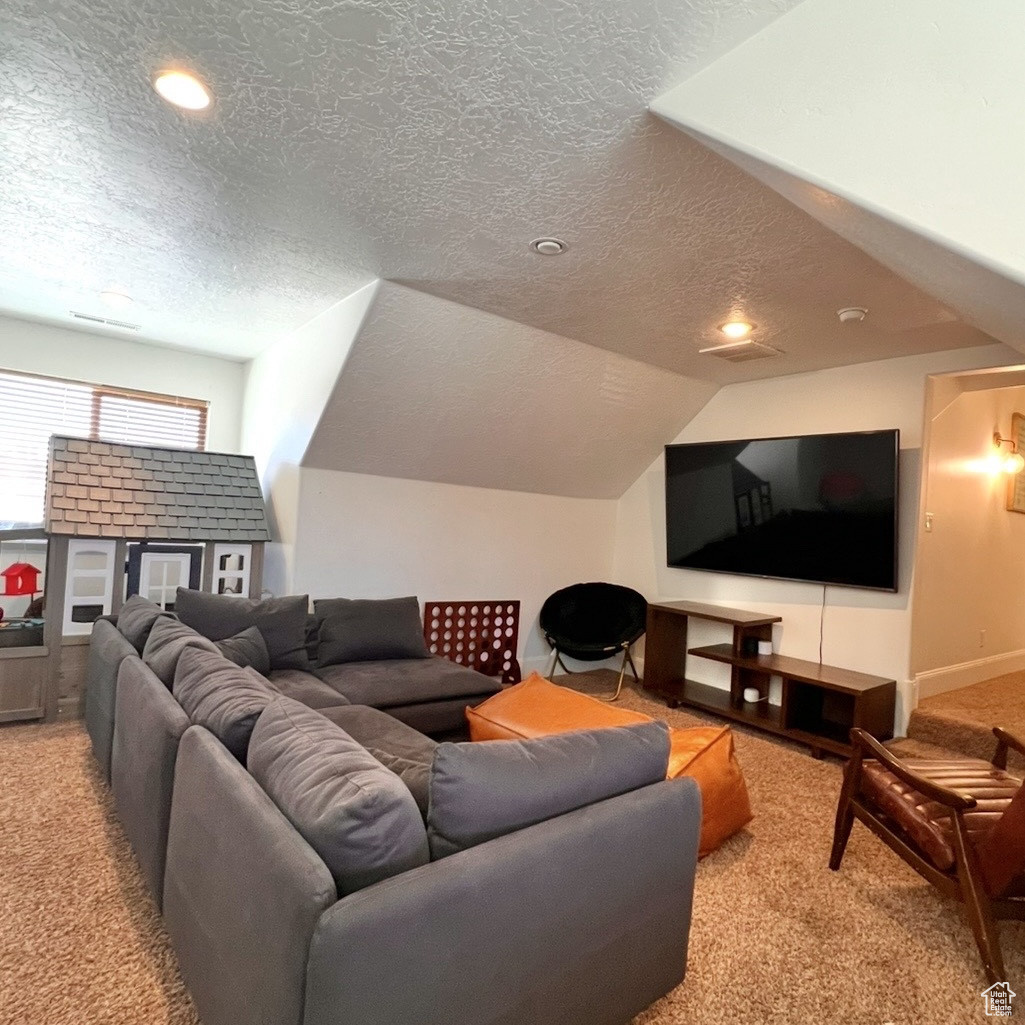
(741, 352)
(105, 321)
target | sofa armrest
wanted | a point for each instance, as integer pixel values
(1005, 742)
(148, 725)
(107, 650)
(243, 891)
(584, 917)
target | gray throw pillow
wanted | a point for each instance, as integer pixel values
(223, 697)
(281, 621)
(136, 619)
(356, 814)
(369, 630)
(246, 649)
(480, 791)
(168, 638)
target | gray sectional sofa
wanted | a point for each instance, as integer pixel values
(328, 864)
(425, 691)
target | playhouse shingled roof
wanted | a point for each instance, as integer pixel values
(142, 492)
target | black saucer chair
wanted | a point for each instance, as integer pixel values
(591, 622)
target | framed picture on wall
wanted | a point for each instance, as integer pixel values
(1016, 481)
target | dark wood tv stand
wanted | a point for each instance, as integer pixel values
(820, 703)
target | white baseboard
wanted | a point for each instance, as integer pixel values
(939, 681)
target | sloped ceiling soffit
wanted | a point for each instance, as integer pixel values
(472, 398)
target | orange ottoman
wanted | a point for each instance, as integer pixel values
(538, 708)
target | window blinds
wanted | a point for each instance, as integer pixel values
(33, 408)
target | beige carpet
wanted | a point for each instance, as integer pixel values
(962, 720)
(80, 941)
(776, 936)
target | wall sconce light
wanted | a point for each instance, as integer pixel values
(1013, 461)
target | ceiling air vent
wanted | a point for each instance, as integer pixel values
(105, 321)
(740, 352)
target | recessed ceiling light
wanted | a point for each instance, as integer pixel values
(549, 246)
(736, 328)
(852, 314)
(115, 299)
(182, 89)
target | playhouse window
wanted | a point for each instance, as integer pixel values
(90, 586)
(232, 565)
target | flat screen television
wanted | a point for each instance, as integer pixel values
(817, 507)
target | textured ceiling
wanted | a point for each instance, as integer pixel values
(425, 144)
(949, 224)
(471, 398)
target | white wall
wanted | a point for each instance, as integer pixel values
(361, 536)
(863, 630)
(969, 597)
(287, 388)
(36, 348)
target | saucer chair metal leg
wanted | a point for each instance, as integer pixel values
(556, 661)
(633, 668)
(622, 673)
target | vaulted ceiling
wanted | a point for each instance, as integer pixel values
(427, 145)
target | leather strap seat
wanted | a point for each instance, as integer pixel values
(928, 822)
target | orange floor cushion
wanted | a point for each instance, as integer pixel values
(538, 708)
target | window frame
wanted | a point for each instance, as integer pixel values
(102, 391)
(99, 392)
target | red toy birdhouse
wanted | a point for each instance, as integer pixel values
(20, 578)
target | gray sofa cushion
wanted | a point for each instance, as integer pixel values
(305, 688)
(443, 720)
(312, 629)
(136, 619)
(405, 681)
(480, 791)
(223, 697)
(282, 621)
(246, 649)
(356, 814)
(167, 639)
(395, 745)
(364, 629)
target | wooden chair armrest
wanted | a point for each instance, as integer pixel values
(1006, 740)
(952, 799)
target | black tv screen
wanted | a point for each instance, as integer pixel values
(819, 507)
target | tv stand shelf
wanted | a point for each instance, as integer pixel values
(820, 703)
